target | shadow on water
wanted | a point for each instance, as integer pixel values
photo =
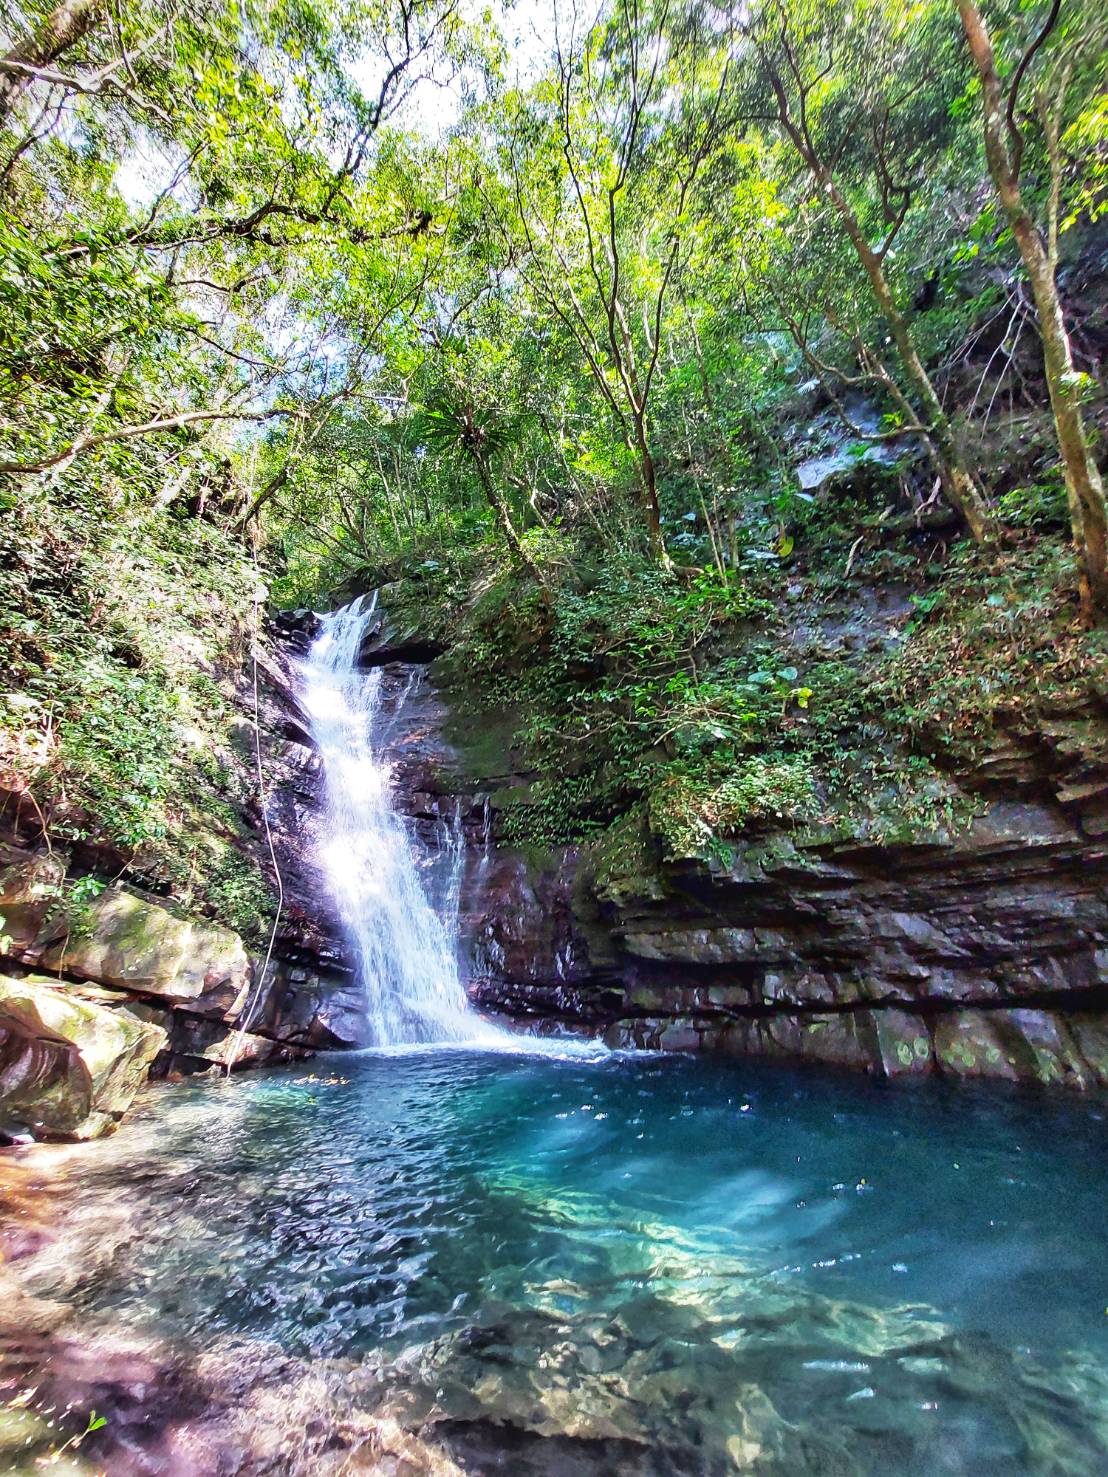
(464, 1261)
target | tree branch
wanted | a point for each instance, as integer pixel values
(1017, 81)
(128, 433)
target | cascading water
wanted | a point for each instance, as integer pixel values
(405, 947)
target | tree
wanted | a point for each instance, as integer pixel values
(476, 433)
(1048, 70)
(467, 388)
(280, 242)
(56, 34)
(847, 86)
(619, 136)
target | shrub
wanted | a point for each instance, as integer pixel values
(693, 813)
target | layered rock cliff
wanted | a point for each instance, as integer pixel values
(979, 949)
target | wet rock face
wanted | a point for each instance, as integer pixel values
(309, 998)
(983, 958)
(986, 955)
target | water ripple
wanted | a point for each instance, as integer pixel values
(625, 1261)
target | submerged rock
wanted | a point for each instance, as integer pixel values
(69, 1068)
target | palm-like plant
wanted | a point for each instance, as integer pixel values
(453, 421)
(480, 434)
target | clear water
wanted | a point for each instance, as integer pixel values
(399, 907)
(458, 1259)
(619, 1265)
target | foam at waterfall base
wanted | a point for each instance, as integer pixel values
(502, 1042)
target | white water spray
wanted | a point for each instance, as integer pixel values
(405, 946)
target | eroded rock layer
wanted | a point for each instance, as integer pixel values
(976, 951)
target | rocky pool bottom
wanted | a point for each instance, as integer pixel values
(463, 1261)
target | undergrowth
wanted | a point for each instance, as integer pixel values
(699, 709)
(121, 638)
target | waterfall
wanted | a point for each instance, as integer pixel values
(398, 900)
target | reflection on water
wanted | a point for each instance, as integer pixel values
(465, 1261)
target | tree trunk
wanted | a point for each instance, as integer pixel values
(1084, 484)
(504, 519)
(653, 513)
(270, 490)
(61, 29)
(648, 477)
(958, 481)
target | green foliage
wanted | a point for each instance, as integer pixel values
(122, 637)
(238, 894)
(694, 812)
(555, 813)
(460, 367)
(638, 613)
(1041, 504)
(995, 653)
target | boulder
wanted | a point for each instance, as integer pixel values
(136, 945)
(383, 645)
(69, 1068)
(297, 628)
(30, 883)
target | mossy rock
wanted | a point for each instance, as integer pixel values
(625, 862)
(69, 1068)
(132, 944)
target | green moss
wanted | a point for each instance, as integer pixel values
(625, 859)
(553, 811)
